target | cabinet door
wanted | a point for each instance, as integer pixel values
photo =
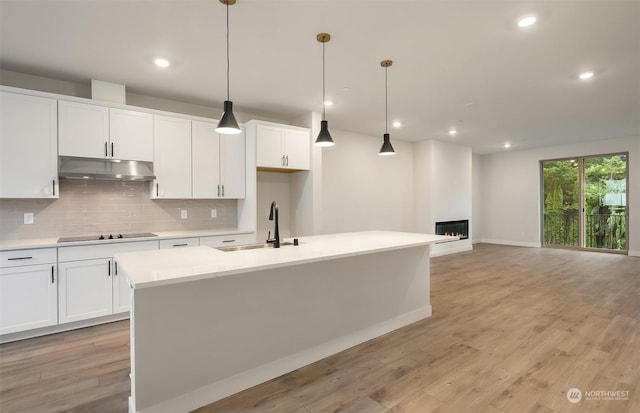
(85, 290)
(131, 135)
(172, 158)
(121, 292)
(28, 146)
(28, 298)
(83, 130)
(296, 149)
(269, 141)
(205, 156)
(232, 166)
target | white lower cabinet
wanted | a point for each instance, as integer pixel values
(121, 292)
(85, 289)
(179, 242)
(228, 240)
(28, 297)
(28, 289)
(90, 286)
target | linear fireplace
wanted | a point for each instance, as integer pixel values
(454, 228)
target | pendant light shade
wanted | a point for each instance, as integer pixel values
(228, 124)
(386, 149)
(324, 137)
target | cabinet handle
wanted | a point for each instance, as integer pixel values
(115, 266)
(157, 190)
(112, 155)
(287, 157)
(109, 268)
(52, 279)
(180, 245)
(54, 187)
(106, 150)
(223, 191)
(229, 240)
(218, 190)
(19, 258)
(282, 160)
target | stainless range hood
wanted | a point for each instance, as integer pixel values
(72, 167)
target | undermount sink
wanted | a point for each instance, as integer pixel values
(251, 246)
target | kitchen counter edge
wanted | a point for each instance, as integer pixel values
(34, 243)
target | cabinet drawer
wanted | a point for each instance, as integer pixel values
(89, 252)
(179, 242)
(228, 240)
(16, 258)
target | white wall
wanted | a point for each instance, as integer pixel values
(511, 190)
(442, 189)
(477, 199)
(362, 190)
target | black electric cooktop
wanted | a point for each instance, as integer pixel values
(106, 237)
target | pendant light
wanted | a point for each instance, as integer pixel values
(228, 124)
(324, 137)
(386, 149)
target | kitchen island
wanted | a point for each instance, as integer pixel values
(206, 324)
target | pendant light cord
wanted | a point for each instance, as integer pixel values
(228, 64)
(386, 101)
(324, 114)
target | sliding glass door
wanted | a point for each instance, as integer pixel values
(585, 202)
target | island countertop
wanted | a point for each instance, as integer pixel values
(163, 267)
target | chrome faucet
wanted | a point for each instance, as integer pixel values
(276, 231)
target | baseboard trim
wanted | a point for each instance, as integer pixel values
(59, 328)
(509, 242)
(462, 248)
(633, 253)
(223, 388)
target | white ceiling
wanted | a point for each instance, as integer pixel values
(462, 64)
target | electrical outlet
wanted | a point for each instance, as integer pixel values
(183, 213)
(28, 217)
(214, 213)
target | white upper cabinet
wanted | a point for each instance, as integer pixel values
(206, 160)
(296, 149)
(282, 147)
(28, 146)
(93, 131)
(131, 135)
(232, 165)
(172, 158)
(218, 163)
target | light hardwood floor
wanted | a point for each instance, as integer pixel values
(512, 330)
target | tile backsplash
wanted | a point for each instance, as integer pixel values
(88, 207)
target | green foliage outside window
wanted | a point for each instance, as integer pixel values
(604, 197)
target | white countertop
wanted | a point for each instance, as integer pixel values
(163, 267)
(7, 245)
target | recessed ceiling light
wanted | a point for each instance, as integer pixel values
(526, 21)
(586, 75)
(397, 124)
(328, 103)
(452, 132)
(160, 62)
(346, 89)
(507, 145)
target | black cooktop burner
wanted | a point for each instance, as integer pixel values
(107, 237)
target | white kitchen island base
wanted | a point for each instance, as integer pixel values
(195, 342)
